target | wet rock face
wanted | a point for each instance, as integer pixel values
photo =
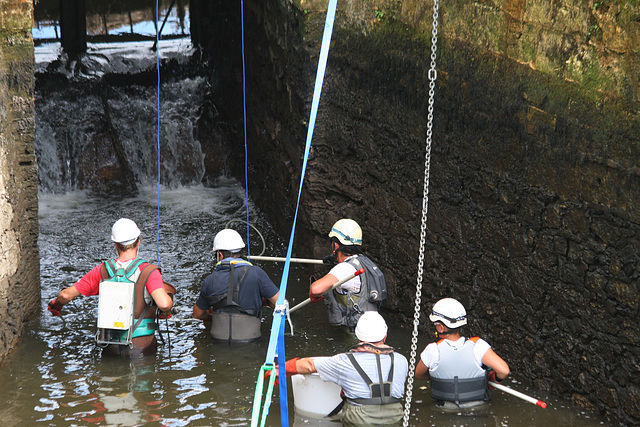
(533, 220)
(19, 259)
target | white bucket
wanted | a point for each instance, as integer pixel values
(313, 397)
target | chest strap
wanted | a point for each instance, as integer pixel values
(380, 392)
(228, 302)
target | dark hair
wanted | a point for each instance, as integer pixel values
(348, 250)
(121, 248)
(449, 330)
(228, 254)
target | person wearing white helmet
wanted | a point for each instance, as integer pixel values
(231, 297)
(454, 364)
(346, 302)
(149, 290)
(372, 375)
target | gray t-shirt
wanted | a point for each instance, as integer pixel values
(338, 369)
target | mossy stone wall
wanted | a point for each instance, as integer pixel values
(19, 259)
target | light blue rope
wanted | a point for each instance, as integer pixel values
(277, 327)
(158, 132)
(322, 63)
(244, 106)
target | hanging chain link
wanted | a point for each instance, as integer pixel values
(433, 75)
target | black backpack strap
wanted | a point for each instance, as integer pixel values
(231, 287)
(233, 290)
(236, 289)
(359, 369)
(382, 388)
(339, 407)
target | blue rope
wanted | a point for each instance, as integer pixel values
(158, 133)
(322, 63)
(244, 106)
(277, 327)
(284, 404)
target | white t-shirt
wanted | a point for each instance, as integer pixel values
(342, 271)
(430, 356)
(338, 369)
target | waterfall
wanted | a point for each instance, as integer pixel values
(96, 121)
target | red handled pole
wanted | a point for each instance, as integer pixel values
(522, 396)
(335, 285)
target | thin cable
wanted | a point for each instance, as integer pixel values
(158, 132)
(244, 108)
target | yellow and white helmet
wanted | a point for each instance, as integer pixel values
(347, 231)
(450, 312)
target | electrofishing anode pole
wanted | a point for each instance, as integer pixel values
(335, 285)
(522, 396)
(273, 258)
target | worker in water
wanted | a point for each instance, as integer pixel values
(346, 302)
(233, 295)
(454, 364)
(371, 374)
(131, 292)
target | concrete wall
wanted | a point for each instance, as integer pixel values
(19, 259)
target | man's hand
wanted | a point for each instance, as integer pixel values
(314, 298)
(54, 307)
(491, 376)
(289, 366)
(165, 314)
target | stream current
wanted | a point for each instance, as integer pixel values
(57, 376)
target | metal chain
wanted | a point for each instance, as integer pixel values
(433, 75)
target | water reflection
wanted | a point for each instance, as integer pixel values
(115, 18)
(57, 376)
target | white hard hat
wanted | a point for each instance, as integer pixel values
(124, 231)
(371, 327)
(228, 240)
(347, 231)
(450, 312)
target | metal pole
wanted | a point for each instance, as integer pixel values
(335, 285)
(522, 396)
(281, 259)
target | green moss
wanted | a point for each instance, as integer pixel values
(528, 47)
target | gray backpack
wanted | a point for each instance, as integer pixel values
(373, 283)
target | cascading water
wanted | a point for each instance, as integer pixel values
(99, 126)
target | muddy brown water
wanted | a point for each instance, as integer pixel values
(56, 376)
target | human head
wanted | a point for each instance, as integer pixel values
(228, 241)
(371, 327)
(125, 233)
(347, 236)
(450, 313)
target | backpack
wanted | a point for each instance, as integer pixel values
(118, 301)
(372, 281)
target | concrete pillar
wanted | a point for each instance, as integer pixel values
(19, 257)
(73, 27)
